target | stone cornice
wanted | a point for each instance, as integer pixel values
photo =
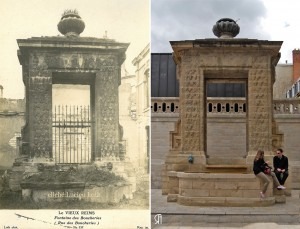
(235, 45)
(71, 43)
(77, 43)
(141, 55)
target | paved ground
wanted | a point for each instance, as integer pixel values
(175, 216)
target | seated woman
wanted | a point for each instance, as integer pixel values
(259, 166)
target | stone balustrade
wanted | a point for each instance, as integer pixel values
(223, 105)
(165, 105)
(226, 105)
(287, 106)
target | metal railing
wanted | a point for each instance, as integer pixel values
(71, 129)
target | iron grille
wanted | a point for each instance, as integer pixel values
(71, 131)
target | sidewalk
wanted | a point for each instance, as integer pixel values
(175, 216)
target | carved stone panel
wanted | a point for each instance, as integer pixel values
(191, 96)
(107, 114)
(40, 118)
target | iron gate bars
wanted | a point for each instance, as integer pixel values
(71, 127)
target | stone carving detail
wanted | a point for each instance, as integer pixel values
(40, 116)
(109, 139)
(260, 113)
(77, 61)
(191, 106)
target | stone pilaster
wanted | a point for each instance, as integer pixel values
(192, 103)
(107, 113)
(260, 106)
(40, 107)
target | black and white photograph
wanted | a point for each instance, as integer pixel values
(74, 114)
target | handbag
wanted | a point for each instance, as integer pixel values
(267, 170)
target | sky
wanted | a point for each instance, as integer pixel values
(276, 20)
(129, 20)
(124, 21)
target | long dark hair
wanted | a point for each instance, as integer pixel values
(259, 155)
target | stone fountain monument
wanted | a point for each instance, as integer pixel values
(193, 173)
(82, 139)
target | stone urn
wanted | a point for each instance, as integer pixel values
(226, 28)
(71, 24)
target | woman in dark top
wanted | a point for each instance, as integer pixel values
(259, 165)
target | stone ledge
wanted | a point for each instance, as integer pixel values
(225, 201)
(211, 175)
(227, 166)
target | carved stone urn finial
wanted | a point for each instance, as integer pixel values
(226, 28)
(71, 23)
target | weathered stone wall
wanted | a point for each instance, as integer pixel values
(127, 119)
(161, 125)
(226, 136)
(221, 189)
(12, 105)
(11, 121)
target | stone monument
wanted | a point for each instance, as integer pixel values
(67, 138)
(192, 175)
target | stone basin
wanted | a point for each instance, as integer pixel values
(217, 189)
(60, 192)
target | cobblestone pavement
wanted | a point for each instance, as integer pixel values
(175, 216)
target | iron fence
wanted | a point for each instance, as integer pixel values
(71, 131)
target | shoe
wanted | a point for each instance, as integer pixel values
(262, 195)
(280, 187)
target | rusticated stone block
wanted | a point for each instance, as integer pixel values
(226, 185)
(225, 193)
(247, 185)
(172, 197)
(185, 184)
(196, 184)
(194, 192)
(180, 167)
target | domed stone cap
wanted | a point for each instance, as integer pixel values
(71, 23)
(226, 28)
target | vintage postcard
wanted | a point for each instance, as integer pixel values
(74, 114)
